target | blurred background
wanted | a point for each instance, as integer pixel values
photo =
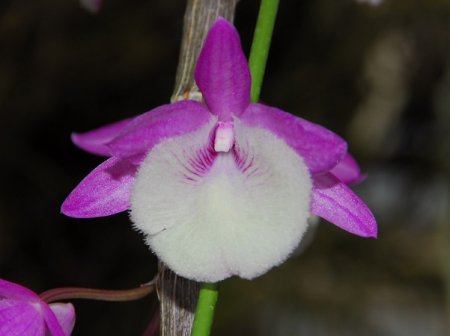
(377, 75)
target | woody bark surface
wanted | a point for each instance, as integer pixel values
(198, 18)
(178, 296)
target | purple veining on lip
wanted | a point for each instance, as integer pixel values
(244, 161)
(203, 160)
(201, 163)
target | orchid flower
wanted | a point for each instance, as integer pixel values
(22, 312)
(222, 187)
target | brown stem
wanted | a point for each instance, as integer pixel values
(178, 295)
(68, 293)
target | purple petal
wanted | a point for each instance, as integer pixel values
(10, 290)
(222, 73)
(94, 141)
(19, 318)
(320, 148)
(334, 201)
(148, 129)
(348, 170)
(105, 191)
(65, 314)
(52, 322)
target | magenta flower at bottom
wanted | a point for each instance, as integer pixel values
(23, 313)
(223, 187)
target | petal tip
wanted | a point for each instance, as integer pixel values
(74, 137)
(337, 203)
(370, 232)
(69, 209)
(373, 231)
(89, 144)
(104, 192)
(222, 22)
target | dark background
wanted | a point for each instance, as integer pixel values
(378, 76)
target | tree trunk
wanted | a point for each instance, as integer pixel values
(178, 296)
(198, 18)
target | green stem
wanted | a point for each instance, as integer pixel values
(261, 44)
(207, 299)
(204, 314)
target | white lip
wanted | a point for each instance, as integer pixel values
(241, 215)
